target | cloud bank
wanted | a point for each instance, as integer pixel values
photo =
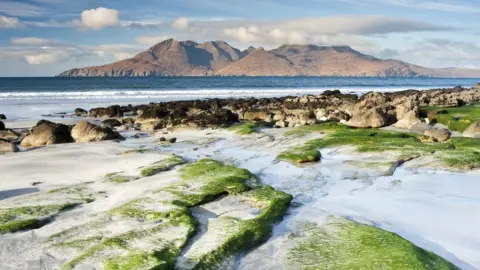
(99, 18)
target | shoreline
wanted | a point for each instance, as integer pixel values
(129, 169)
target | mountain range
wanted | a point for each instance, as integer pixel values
(218, 58)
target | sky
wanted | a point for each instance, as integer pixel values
(46, 37)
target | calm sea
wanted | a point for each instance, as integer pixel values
(30, 97)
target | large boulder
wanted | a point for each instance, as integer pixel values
(151, 126)
(111, 123)
(3, 117)
(7, 147)
(473, 131)
(420, 128)
(84, 131)
(46, 133)
(2, 126)
(408, 120)
(81, 112)
(257, 115)
(372, 118)
(439, 134)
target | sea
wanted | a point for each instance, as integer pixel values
(33, 98)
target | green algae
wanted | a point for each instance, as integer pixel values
(120, 251)
(326, 127)
(303, 154)
(456, 118)
(240, 235)
(119, 178)
(206, 180)
(161, 166)
(244, 128)
(136, 151)
(29, 217)
(457, 152)
(350, 245)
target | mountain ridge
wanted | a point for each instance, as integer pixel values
(217, 58)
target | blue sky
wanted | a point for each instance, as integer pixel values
(45, 37)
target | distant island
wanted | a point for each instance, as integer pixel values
(218, 58)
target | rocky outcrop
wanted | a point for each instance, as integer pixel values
(110, 123)
(3, 117)
(46, 133)
(438, 134)
(112, 111)
(84, 131)
(7, 146)
(372, 118)
(420, 128)
(2, 126)
(473, 131)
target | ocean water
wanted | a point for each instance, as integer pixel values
(31, 97)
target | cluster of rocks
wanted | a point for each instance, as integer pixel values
(46, 133)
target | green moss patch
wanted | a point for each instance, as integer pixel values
(457, 152)
(232, 236)
(119, 178)
(457, 118)
(136, 151)
(326, 127)
(244, 128)
(207, 179)
(29, 217)
(350, 245)
(161, 166)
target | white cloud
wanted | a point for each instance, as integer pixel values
(10, 22)
(180, 23)
(47, 57)
(99, 18)
(150, 40)
(242, 34)
(32, 41)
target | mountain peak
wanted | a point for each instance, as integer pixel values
(189, 58)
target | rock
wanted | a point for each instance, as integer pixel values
(279, 117)
(3, 117)
(439, 134)
(46, 133)
(256, 115)
(372, 118)
(281, 124)
(9, 135)
(408, 120)
(320, 114)
(81, 112)
(112, 111)
(128, 121)
(7, 147)
(338, 116)
(173, 140)
(151, 126)
(2, 126)
(420, 128)
(473, 131)
(84, 131)
(163, 139)
(111, 123)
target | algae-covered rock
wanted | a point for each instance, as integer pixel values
(342, 244)
(372, 118)
(439, 134)
(162, 165)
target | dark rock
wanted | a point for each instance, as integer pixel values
(173, 140)
(45, 133)
(81, 112)
(112, 111)
(88, 132)
(162, 139)
(2, 126)
(111, 123)
(3, 117)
